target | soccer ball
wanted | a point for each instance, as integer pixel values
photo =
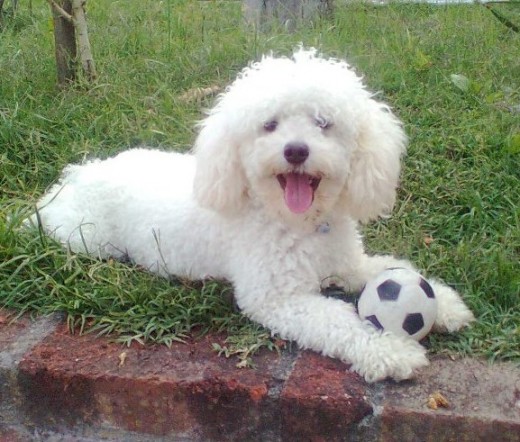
(401, 301)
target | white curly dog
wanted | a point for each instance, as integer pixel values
(294, 154)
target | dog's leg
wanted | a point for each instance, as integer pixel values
(332, 327)
(452, 313)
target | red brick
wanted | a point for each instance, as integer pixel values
(187, 389)
(10, 329)
(322, 400)
(11, 435)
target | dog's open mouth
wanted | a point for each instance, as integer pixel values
(299, 190)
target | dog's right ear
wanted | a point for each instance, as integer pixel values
(220, 183)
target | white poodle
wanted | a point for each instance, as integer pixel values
(294, 154)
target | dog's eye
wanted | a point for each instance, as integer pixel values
(322, 122)
(270, 126)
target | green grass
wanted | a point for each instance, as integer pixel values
(460, 186)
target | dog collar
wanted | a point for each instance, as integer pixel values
(323, 228)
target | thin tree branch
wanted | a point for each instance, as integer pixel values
(61, 11)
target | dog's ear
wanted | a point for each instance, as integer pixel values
(375, 164)
(220, 182)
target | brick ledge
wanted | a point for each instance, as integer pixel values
(54, 385)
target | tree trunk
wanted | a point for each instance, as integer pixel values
(1, 12)
(65, 43)
(70, 22)
(289, 13)
(14, 6)
(85, 53)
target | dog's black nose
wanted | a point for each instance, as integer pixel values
(296, 152)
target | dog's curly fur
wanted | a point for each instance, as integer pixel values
(293, 155)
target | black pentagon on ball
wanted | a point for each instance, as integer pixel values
(413, 323)
(373, 319)
(388, 290)
(427, 288)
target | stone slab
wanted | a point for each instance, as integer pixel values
(483, 403)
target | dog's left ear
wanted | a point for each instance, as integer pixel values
(220, 183)
(375, 164)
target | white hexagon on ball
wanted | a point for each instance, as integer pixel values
(401, 301)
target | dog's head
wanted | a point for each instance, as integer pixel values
(302, 138)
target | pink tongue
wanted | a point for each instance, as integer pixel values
(298, 192)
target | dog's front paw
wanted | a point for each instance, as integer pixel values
(452, 314)
(453, 319)
(392, 357)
